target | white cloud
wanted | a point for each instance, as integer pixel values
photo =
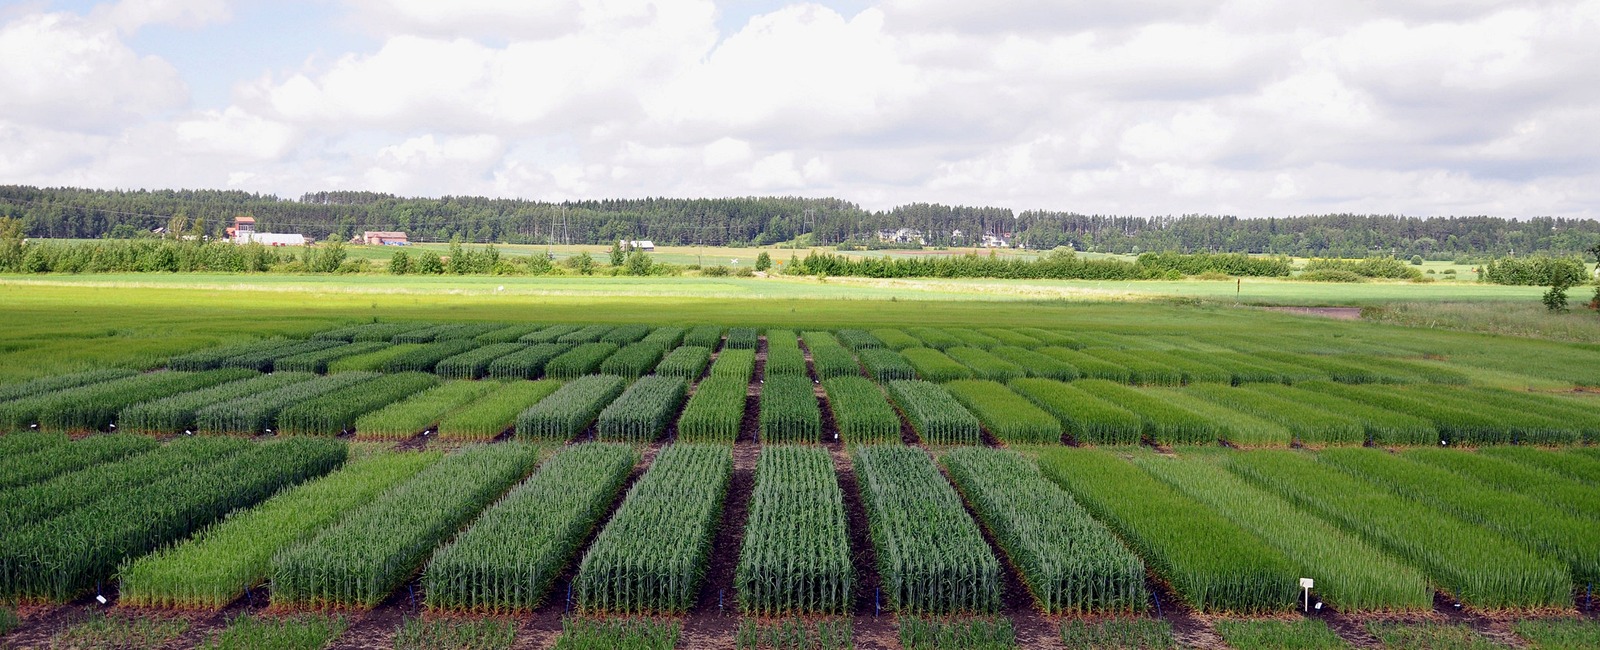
(1147, 107)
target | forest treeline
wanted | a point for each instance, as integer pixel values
(92, 214)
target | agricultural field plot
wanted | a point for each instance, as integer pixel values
(943, 452)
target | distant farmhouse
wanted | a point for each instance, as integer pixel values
(243, 231)
(384, 238)
(903, 236)
(637, 244)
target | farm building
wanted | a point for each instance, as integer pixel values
(241, 226)
(243, 231)
(637, 244)
(384, 238)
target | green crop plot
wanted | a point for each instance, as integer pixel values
(795, 558)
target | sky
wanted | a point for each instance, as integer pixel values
(1252, 108)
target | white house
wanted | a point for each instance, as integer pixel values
(270, 239)
(637, 244)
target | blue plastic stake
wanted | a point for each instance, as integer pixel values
(1158, 603)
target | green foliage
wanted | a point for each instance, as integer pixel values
(643, 411)
(589, 334)
(687, 363)
(1371, 267)
(973, 338)
(795, 557)
(496, 412)
(858, 339)
(931, 556)
(368, 332)
(1036, 364)
(933, 365)
(548, 334)
(1311, 425)
(705, 336)
(828, 358)
(734, 363)
(61, 382)
(860, 411)
(957, 633)
(1089, 366)
(95, 406)
(408, 416)
(820, 633)
(1118, 634)
(715, 412)
(475, 363)
(319, 360)
(1559, 634)
(425, 358)
(1569, 464)
(371, 361)
(1302, 634)
(789, 411)
(633, 361)
(934, 414)
(896, 339)
(1536, 271)
(1429, 636)
(22, 469)
(570, 409)
(507, 561)
(986, 365)
(652, 555)
(258, 413)
(529, 363)
(1350, 574)
(374, 549)
(784, 358)
(103, 630)
(743, 338)
(27, 442)
(36, 502)
(214, 568)
(178, 412)
(623, 335)
(338, 411)
(1478, 567)
(263, 360)
(1087, 418)
(886, 365)
(304, 632)
(1069, 561)
(60, 558)
(509, 333)
(1141, 369)
(614, 633)
(455, 634)
(1160, 420)
(763, 261)
(665, 338)
(582, 360)
(935, 338)
(1518, 517)
(1213, 563)
(1011, 418)
(1236, 264)
(1382, 426)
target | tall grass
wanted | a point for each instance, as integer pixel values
(1216, 565)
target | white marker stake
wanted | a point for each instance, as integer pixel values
(1305, 585)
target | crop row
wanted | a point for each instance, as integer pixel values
(337, 411)
(474, 363)
(527, 363)
(177, 413)
(22, 469)
(367, 554)
(715, 412)
(404, 418)
(828, 357)
(570, 409)
(687, 363)
(509, 558)
(494, 413)
(1212, 562)
(643, 411)
(258, 413)
(795, 558)
(931, 556)
(1008, 416)
(784, 358)
(633, 361)
(215, 567)
(95, 406)
(318, 361)
(579, 361)
(934, 414)
(60, 558)
(789, 411)
(548, 334)
(860, 411)
(652, 555)
(1069, 561)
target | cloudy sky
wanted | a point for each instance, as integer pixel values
(1247, 107)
